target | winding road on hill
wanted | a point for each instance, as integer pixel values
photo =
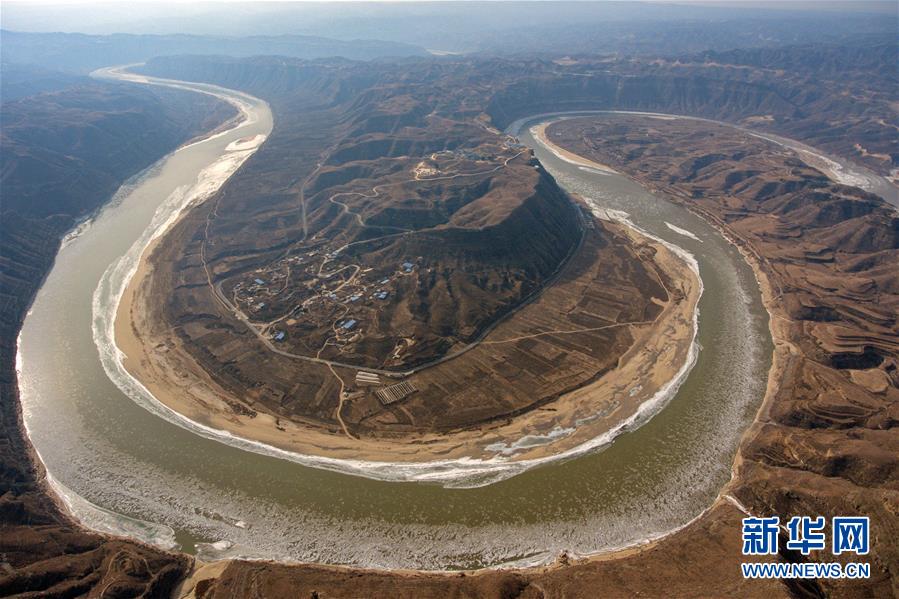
(261, 332)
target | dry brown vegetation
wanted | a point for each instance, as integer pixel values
(571, 335)
(824, 442)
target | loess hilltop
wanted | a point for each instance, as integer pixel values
(386, 228)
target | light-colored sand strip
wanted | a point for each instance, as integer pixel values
(246, 144)
(838, 170)
(539, 132)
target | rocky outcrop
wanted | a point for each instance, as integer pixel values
(676, 93)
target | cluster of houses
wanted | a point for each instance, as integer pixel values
(357, 293)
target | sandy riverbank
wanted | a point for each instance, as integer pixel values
(647, 375)
(539, 131)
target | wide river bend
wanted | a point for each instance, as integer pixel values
(125, 469)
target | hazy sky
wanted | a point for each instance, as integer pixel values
(881, 6)
(393, 20)
(842, 4)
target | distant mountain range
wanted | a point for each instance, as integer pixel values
(80, 53)
(22, 80)
(475, 26)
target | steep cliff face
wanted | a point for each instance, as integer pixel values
(665, 92)
(827, 60)
(278, 80)
(490, 256)
(63, 155)
(838, 98)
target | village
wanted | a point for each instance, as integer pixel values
(316, 302)
(316, 294)
(450, 163)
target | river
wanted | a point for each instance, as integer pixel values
(124, 468)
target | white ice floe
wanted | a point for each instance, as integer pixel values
(529, 441)
(110, 522)
(597, 171)
(683, 232)
(581, 163)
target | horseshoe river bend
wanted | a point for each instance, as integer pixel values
(124, 463)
